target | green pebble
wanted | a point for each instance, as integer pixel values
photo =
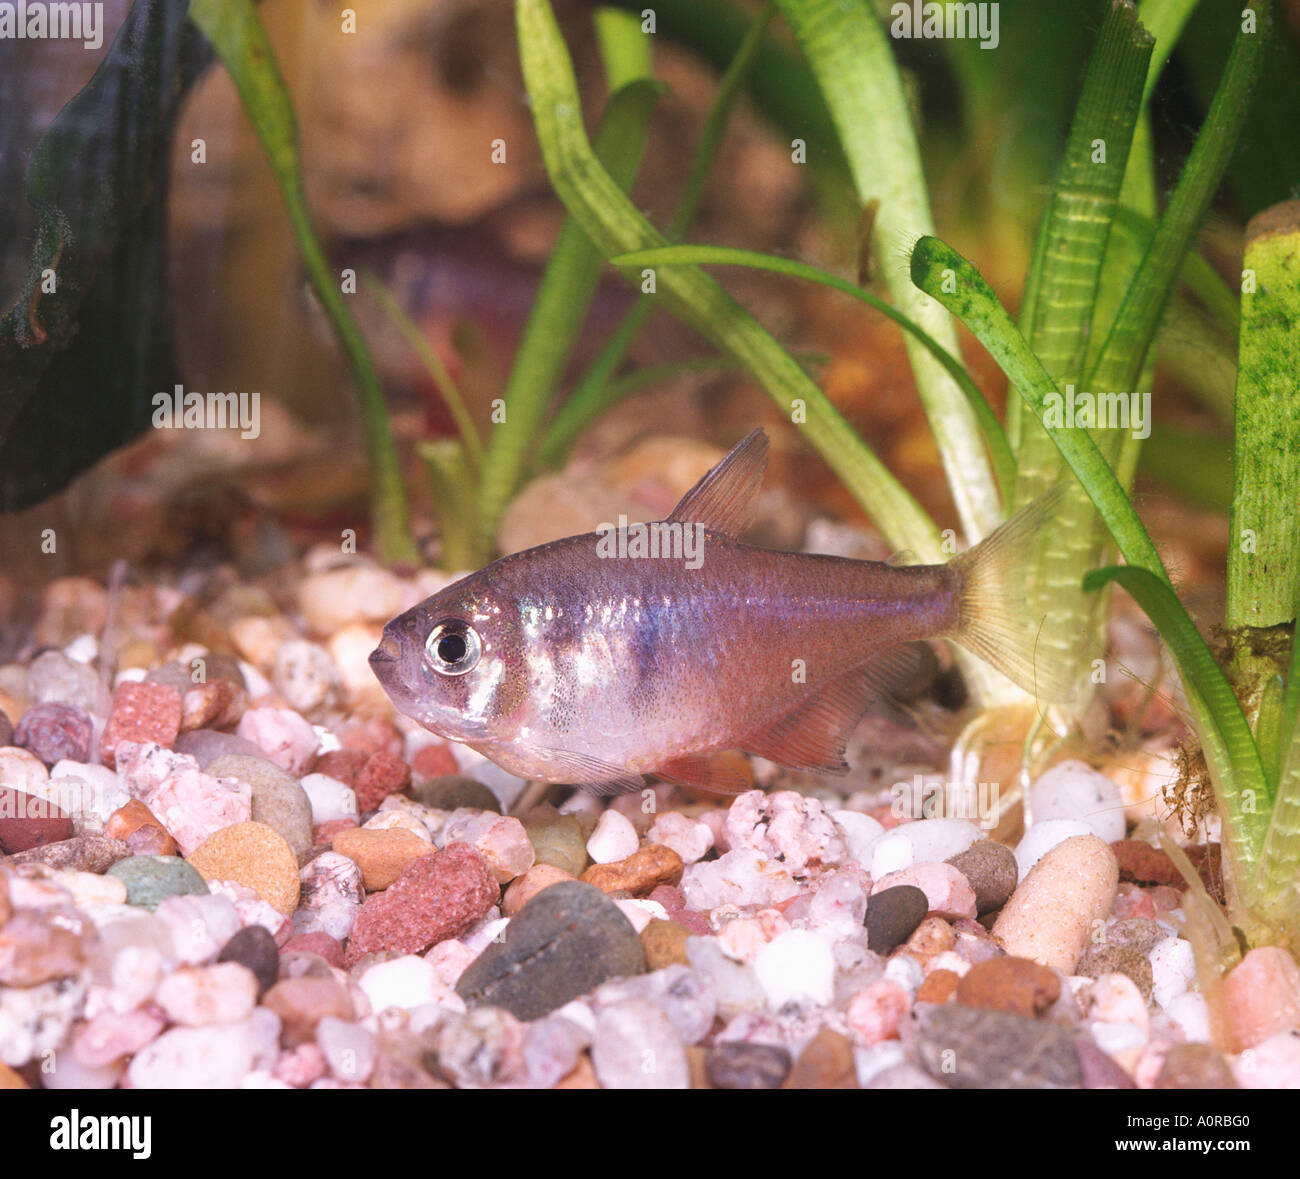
(560, 843)
(150, 880)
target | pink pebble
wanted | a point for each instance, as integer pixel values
(282, 735)
(111, 1036)
(316, 943)
(1261, 996)
(142, 712)
(301, 1066)
(875, 1012)
(1133, 901)
(947, 891)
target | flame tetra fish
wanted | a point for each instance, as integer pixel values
(591, 661)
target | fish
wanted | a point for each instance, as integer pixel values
(660, 649)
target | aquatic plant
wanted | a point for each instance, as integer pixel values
(1104, 272)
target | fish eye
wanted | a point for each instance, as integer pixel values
(453, 647)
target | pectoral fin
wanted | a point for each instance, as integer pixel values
(814, 734)
(591, 773)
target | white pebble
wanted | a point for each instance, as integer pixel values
(873, 1059)
(224, 993)
(1173, 969)
(1191, 1015)
(891, 852)
(689, 838)
(403, 982)
(1042, 837)
(350, 1048)
(929, 841)
(330, 799)
(613, 839)
(906, 971)
(796, 965)
(860, 832)
(1073, 790)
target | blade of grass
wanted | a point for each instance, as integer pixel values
(1004, 462)
(603, 209)
(560, 307)
(850, 54)
(237, 35)
(452, 477)
(594, 392)
(425, 353)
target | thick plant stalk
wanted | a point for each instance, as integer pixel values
(1264, 541)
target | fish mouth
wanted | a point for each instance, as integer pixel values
(388, 652)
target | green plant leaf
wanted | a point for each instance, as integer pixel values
(236, 32)
(853, 61)
(1004, 462)
(560, 306)
(80, 364)
(612, 221)
(596, 391)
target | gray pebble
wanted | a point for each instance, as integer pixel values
(992, 872)
(566, 941)
(978, 1048)
(893, 915)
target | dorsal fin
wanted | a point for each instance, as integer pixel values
(723, 501)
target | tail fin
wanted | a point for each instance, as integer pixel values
(999, 621)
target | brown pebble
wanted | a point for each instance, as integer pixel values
(301, 1003)
(381, 853)
(583, 1076)
(523, 888)
(6, 909)
(938, 986)
(10, 1079)
(1140, 863)
(1194, 1066)
(1015, 985)
(827, 1063)
(665, 944)
(81, 853)
(343, 765)
(697, 1060)
(36, 946)
(640, 874)
(137, 826)
(254, 855)
(216, 704)
(933, 936)
(1118, 959)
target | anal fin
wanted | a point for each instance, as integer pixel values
(814, 734)
(718, 773)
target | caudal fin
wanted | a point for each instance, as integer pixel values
(999, 621)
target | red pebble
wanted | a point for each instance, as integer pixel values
(436, 897)
(141, 712)
(343, 765)
(27, 821)
(383, 774)
(697, 923)
(668, 896)
(315, 943)
(434, 761)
